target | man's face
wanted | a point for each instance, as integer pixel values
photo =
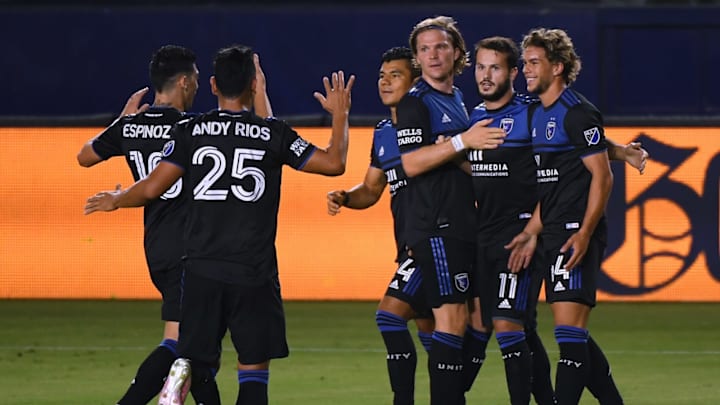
(394, 81)
(436, 54)
(537, 69)
(492, 74)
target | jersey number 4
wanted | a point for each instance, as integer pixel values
(205, 191)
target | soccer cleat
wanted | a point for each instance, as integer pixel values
(177, 384)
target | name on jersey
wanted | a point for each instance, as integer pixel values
(225, 128)
(490, 169)
(146, 131)
(409, 136)
(547, 175)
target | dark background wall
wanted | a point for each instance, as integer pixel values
(83, 60)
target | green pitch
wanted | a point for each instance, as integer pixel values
(86, 352)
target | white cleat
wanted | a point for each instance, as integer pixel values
(177, 384)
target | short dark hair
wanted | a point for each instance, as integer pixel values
(402, 53)
(503, 45)
(167, 63)
(234, 70)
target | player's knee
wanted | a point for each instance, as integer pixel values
(389, 322)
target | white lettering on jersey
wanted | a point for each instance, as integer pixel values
(211, 128)
(409, 132)
(146, 131)
(252, 131)
(299, 146)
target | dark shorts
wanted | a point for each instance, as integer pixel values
(407, 286)
(446, 265)
(168, 282)
(254, 315)
(575, 285)
(503, 294)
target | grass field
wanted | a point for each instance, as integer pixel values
(86, 352)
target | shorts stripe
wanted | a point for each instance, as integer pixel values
(441, 266)
(414, 283)
(523, 291)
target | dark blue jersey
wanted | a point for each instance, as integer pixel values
(385, 155)
(140, 138)
(233, 165)
(441, 200)
(504, 178)
(562, 134)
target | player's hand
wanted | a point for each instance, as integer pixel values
(337, 94)
(577, 244)
(480, 136)
(636, 156)
(442, 139)
(335, 201)
(259, 74)
(522, 248)
(132, 106)
(103, 201)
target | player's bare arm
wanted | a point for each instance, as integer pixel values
(600, 186)
(363, 195)
(336, 100)
(139, 194)
(633, 153)
(87, 156)
(429, 157)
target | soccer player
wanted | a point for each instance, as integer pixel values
(439, 226)
(139, 137)
(231, 160)
(405, 297)
(574, 183)
(505, 190)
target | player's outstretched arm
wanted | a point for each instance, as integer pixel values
(362, 196)
(139, 194)
(261, 101)
(337, 101)
(429, 157)
(633, 153)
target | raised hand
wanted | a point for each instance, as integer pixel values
(337, 94)
(132, 106)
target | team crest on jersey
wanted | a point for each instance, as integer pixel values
(550, 130)
(168, 148)
(592, 136)
(507, 124)
(462, 282)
